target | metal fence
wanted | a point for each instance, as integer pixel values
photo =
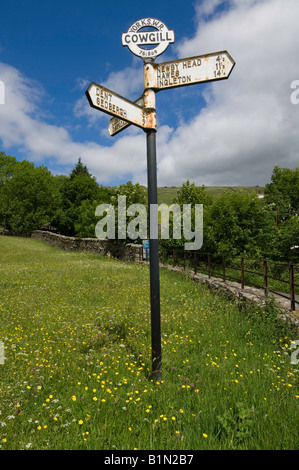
(274, 277)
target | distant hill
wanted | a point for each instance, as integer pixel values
(167, 194)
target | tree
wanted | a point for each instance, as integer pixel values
(190, 194)
(29, 198)
(283, 193)
(80, 186)
(238, 223)
(287, 240)
(134, 194)
(184, 219)
(7, 167)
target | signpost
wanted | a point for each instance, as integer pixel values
(160, 38)
(117, 125)
(204, 68)
(148, 38)
(111, 103)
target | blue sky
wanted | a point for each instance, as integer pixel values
(231, 132)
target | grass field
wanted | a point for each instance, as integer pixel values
(76, 331)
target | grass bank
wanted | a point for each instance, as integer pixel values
(76, 330)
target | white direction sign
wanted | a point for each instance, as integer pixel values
(148, 32)
(116, 125)
(111, 103)
(203, 68)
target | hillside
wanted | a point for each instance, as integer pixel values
(167, 194)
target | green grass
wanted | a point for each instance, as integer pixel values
(77, 371)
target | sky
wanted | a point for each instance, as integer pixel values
(224, 133)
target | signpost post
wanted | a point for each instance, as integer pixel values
(148, 38)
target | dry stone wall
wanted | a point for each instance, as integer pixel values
(130, 252)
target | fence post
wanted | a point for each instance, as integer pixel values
(292, 286)
(266, 278)
(195, 263)
(184, 260)
(242, 272)
(209, 264)
(163, 255)
(223, 266)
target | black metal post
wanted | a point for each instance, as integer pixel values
(154, 257)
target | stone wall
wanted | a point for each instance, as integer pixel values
(127, 252)
(246, 296)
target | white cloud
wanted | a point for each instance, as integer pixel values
(22, 124)
(249, 124)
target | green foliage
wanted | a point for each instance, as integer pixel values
(80, 186)
(187, 194)
(236, 425)
(238, 223)
(135, 194)
(28, 198)
(190, 194)
(283, 193)
(7, 167)
(79, 196)
(234, 223)
(287, 240)
(86, 220)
